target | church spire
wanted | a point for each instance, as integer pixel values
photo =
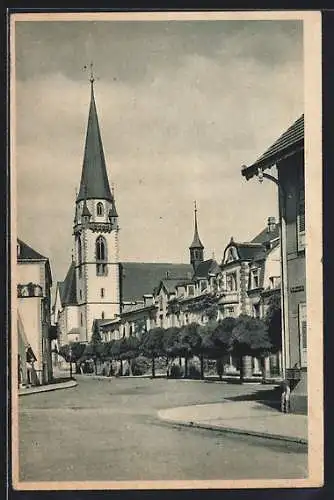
(196, 240)
(196, 248)
(94, 178)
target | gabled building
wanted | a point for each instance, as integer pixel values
(287, 155)
(34, 281)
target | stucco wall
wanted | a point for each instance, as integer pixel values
(30, 312)
(289, 176)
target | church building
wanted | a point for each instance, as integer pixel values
(97, 285)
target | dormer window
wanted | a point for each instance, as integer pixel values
(255, 278)
(99, 209)
(203, 285)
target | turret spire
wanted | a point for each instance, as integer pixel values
(197, 247)
(196, 240)
(94, 171)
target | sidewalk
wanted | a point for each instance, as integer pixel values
(23, 391)
(244, 417)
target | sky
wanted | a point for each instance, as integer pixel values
(182, 105)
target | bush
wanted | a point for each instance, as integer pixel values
(194, 371)
(176, 371)
(140, 365)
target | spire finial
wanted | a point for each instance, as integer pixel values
(91, 79)
(91, 75)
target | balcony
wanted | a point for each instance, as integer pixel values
(229, 297)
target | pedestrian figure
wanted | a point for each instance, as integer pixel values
(285, 396)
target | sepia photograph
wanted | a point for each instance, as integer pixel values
(166, 243)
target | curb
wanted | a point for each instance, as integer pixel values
(157, 377)
(232, 430)
(48, 388)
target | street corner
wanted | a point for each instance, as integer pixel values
(24, 391)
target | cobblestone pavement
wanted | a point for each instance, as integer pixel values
(109, 430)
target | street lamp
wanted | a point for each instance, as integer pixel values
(284, 290)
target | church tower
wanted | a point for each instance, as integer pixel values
(196, 248)
(95, 233)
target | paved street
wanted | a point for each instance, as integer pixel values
(108, 430)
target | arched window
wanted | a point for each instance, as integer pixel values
(99, 209)
(101, 256)
(79, 255)
(101, 249)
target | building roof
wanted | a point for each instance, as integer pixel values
(28, 253)
(247, 251)
(94, 179)
(67, 288)
(288, 143)
(139, 278)
(265, 235)
(205, 268)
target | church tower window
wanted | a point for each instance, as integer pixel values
(79, 256)
(99, 209)
(101, 256)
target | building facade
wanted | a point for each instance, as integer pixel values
(287, 155)
(34, 283)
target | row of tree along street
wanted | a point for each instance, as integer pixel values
(241, 337)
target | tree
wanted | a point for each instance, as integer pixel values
(152, 345)
(222, 341)
(116, 353)
(72, 353)
(171, 342)
(96, 345)
(273, 321)
(129, 349)
(190, 343)
(249, 338)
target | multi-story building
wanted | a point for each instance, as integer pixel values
(287, 155)
(34, 283)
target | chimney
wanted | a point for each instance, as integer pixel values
(271, 224)
(148, 299)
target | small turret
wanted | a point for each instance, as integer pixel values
(196, 248)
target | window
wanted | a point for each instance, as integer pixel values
(254, 278)
(101, 251)
(256, 310)
(99, 209)
(102, 315)
(229, 311)
(81, 319)
(101, 256)
(102, 293)
(80, 293)
(231, 282)
(274, 281)
(204, 285)
(301, 215)
(302, 333)
(191, 290)
(79, 256)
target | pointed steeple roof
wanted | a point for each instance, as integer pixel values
(196, 240)
(94, 178)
